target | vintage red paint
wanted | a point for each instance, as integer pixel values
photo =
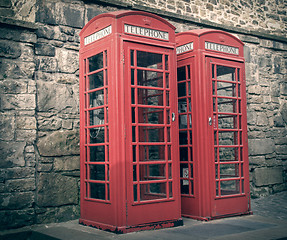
(128, 142)
(214, 172)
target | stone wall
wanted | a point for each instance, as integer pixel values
(39, 108)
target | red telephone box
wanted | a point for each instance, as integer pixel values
(214, 172)
(129, 137)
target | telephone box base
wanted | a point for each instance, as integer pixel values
(128, 229)
(216, 217)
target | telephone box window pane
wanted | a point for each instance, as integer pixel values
(132, 57)
(149, 60)
(166, 62)
(152, 172)
(152, 191)
(227, 138)
(95, 62)
(151, 115)
(181, 89)
(182, 121)
(135, 173)
(229, 170)
(228, 154)
(151, 134)
(182, 105)
(97, 154)
(150, 97)
(227, 121)
(97, 117)
(184, 186)
(225, 73)
(97, 191)
(184, 172)
(226, 105)
(169, 171)
(181, 74)
(230, 187)
(97, 135)
(97, 98)
(226, 89)
(182, 137)
(96, 80)
(97, 172)
(134, 154)
(135, 193)
(151, 153)
(132, 77)
(183, 154)
(170, 190)
(167, 80)
(150, 78)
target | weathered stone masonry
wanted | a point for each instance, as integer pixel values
(39, 108)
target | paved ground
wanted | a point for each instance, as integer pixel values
(269, 221)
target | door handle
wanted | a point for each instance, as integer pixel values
(173, 117)
(210, 121)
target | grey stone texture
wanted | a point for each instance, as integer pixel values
(39, 95)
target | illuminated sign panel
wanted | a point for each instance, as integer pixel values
(221, 48)
(98, 35)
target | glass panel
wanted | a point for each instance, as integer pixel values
(151, 115)
(227, 138)
(166, 62)
(152, 172)
(149, 60)
(229, 170)
(184, 186)
(97, 117)
(97, 191)
(96, 98)
(151, 153)
(134, 154)
(132, 76)
(106, 57)
(152, 191)
(216, 171)
(134, 134)
(97, 135)
(95, 62)
(150, 78)
(133, 115)
(132, 57)
(229, 187)
(228, 154)
(170, 190)
(135, 173)
(184, 172)
(225, 73)
(96, 80)
(213, 71)
(181, 89)
(135, 193)
(182, 121)
(182, 137)
(97, 154)
(151, 134)
(227, 121)
(226, 105)
(133, 96)
(97, 172)
(226, 89)
(182, 105)
(169, 171)
(167, 98)
(167, 80)
(150, 97)
(181, 74)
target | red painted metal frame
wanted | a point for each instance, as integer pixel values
(116, 210)
(204, 203)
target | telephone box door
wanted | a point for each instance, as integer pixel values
(151, 139)
(228, 136)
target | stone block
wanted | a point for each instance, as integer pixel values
(60, 143)
(44, 49)
(91, 12)
(29, 37)
(26, 122)
(58, 97)
(45, 31)
(12, 154)
(278, 121)
(6, 3)
(16, 219)
(16, 200)
(63, 189)
(20, 185)
(26, 135)
(7, 122)
(44, 167)
(261, 146)
(268, 176)
(13, 86)
(6, 12)
(20, 172)
(70, 163)
(281, 149)
(262, 119)
(9, 49)
(47, 64)
(49, 124)
(283, 88)
(18, 101)
(283, 112)
(68, 61)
